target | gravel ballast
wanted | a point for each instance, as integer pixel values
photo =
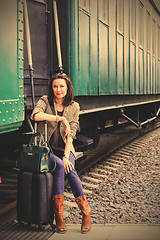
(131, 193)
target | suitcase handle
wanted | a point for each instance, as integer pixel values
(45, 131)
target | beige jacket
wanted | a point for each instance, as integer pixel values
(71, 113)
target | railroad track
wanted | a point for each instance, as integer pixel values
(102, 168)
(98, 163)
(106, 163)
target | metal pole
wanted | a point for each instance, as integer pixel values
(57, 35)
(158, 112)
(28, 39)
(129, 119)
(29, 52)
(148, 120)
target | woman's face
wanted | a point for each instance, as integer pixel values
(59, 88)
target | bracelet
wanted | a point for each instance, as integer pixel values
(64, 155)
(57, 119)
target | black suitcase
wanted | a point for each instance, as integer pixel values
(34, 199)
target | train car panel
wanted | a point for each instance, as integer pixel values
(126, 46)
(94, 50)
(11, 74)
(103, 58)
(127, 54)
(72, 40)
(120, 46)
(112, 48)
(84, 52)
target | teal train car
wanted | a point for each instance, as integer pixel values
(110, 49)
(11, 66)
(114, 47)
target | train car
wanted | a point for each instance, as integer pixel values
(12, 109)
(110, 49)
(114, 59)
(11, 66)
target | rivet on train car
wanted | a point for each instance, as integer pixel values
(7, 111)
(4, 120)
(0, 112)
(10, 119)
(3, 103)
(16, 103)
(13, 110)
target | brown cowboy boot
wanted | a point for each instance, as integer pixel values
(85, 208)
(58, 211)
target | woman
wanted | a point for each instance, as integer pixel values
(62, 114)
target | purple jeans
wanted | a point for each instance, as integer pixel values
(59, 174)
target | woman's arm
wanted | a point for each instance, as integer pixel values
(67, 164)
(73, 128)
(41, 116)
(75, 121)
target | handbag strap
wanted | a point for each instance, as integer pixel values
(41, 141)
(51, 171)
(44, 141)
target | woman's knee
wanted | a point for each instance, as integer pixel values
(72, 158)
(54, 159)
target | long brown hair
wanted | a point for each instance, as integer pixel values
(70, 91)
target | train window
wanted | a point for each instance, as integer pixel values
(159, 42)
(133, 20)
(153, 37)
(141, 24)
(103, 10)
(148, 31)
(120, 15)
(84, 4)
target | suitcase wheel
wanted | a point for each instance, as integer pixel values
(21, 224)
(53, 226)
(40, 227)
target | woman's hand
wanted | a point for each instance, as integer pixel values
(67, 165)
(66, 125)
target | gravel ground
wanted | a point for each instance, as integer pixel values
(131, 194)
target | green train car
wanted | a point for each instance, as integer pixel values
(110, 49)
(114, 47)
(11, 66)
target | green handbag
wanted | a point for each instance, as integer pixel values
(35, 158)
